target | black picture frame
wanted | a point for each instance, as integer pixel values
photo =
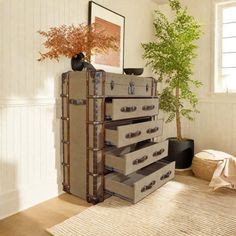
(109, 62)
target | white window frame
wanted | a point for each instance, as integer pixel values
(219, 83)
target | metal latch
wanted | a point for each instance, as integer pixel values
(78, 101)
(131, 88)
(112, 84)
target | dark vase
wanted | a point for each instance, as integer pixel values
(181, 152)
(78, 63)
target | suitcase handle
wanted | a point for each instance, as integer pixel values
(140, 160)
(149, 186)
(128, 109)
(133, 135)
(148, 107)
(157, 153)
(152, 130)
(166, 175)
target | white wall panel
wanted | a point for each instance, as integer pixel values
(27, 154)
(213, 128)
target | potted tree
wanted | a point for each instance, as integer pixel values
(170, 58)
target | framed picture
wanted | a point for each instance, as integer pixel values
(114, 24)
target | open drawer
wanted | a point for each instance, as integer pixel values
(128, 108)
(136, 186)
(124, 135)
(129, 159)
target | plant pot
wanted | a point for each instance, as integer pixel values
(181, 152)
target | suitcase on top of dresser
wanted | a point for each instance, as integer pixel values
(119, 85)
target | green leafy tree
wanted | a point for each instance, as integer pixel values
(170, 57)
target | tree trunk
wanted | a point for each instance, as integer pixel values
(178, 123)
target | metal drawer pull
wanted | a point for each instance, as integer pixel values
(166, 175)
(158, 153)
(128, 109)
(148, 107)
(149, 186)
(133, 135)
(152, 130)
(140, 160)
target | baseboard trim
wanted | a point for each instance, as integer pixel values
(18, 200)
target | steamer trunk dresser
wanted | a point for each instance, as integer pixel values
(109, 127)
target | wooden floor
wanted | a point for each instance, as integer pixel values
(34, 221)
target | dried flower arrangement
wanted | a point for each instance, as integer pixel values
(70, 40)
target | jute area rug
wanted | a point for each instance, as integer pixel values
(184, 206)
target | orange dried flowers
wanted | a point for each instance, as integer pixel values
(70, 40)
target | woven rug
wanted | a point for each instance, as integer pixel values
(184, 206)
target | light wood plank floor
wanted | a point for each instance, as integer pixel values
(34, 221)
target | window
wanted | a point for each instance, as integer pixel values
(225, 47)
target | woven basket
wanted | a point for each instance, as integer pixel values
(204, 168)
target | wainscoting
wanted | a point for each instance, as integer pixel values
(213, 128)
(29, 153)
(29, 125)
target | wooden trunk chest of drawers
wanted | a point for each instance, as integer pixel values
(109, 125)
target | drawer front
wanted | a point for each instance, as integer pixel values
(129, 134)
(141, 183)
(154, 181)
(137, 159)
(117, 85)
(123, 109)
